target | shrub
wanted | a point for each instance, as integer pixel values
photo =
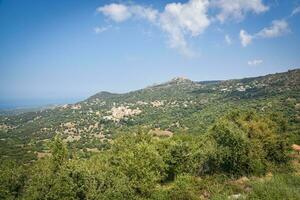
(12, 180)
(233, 149)
(247, 143)
(185, 154)
(137, 158)
(184, 188)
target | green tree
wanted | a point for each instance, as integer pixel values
(12, 180)
(59, 152)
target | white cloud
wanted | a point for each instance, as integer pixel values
(245, 38)
(178, 20)
(98, 30)
(228, 40)
(255, 62)
(183, 20)
(117, 12)
(296, 11)
(237, 9)
(122, 12)
(278, 28)
(144, 12)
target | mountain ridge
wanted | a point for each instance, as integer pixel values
(184, 80)
(178, 106)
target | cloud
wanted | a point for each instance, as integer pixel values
(98, 30)
(122, 12)
(228, 40)
(177, 20)
(180, 20)
(237, 9)
(278, 28)
(144, 13)
(296, 11)
(117, 12)
(245, 38)
(255, 62)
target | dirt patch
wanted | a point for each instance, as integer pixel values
(42, 154)
(72, 138)
(92, 150)
(161, 133)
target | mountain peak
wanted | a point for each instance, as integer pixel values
(173, 82)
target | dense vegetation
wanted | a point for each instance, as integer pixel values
(177, 140)
(140, 166)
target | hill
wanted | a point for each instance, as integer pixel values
(177, 106)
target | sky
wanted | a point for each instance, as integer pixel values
(57, 51)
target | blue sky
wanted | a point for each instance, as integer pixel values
(59, 51)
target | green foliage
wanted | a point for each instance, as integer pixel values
(140, 166)
(184, 188)
(186, 154)
(233, 148)
(59, 152)
(12, 180)
(247, 143)
(283, 186)
(69, 182)
(139, 160)
(188, 107)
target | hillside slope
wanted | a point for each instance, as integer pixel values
(177, 106)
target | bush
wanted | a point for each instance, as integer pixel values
(184, 188)
(139, 166)
(233, 148)
(247, 144)
(185, 154)
(136, 157)
(12, 180)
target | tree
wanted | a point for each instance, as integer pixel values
(59, 152)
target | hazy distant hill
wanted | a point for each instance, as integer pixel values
(177, 106)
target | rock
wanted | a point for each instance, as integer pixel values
(236, 196)
(242, 180)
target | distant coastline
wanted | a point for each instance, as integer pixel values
(35, 103)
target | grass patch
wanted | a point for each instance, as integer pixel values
(281, 186)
